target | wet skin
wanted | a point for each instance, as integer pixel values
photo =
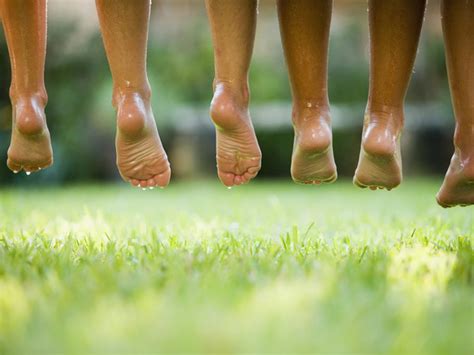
(233, 31)
(458, 28)
(141, 159)
(238, 154)
(380, 159)
(24, 23)
(392, 55)
(304, 28)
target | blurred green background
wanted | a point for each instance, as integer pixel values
(180, 61)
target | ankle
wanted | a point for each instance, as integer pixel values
(127, 90)
(237, 89)
(310, 110)
(464, 138)
(39, 97)
(384, 115)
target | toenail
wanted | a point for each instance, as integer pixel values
(15, 171)
(28, 173)
(151, 187)
(143, 189)
(229, 187)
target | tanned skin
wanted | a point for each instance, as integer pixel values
(304, 27)
(458, 28)
(395, 27)
(305, 31)
(233, 32)
(141, 158)
(24, 24)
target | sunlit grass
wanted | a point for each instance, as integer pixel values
(265, 267)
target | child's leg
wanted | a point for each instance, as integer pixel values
(304, 26)
(394, 32)
(24, 23)
(233, 31)
(141, 158)
(458, 27)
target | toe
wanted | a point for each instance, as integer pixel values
(248, 176)
(13, 166)
(30, 169)
(163, 179)
(440, 201)
(226, 178)
(237, 180)
(143, 184)
(151, 183)
(135, 182)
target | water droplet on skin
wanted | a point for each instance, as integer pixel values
(28, 173)
(127, 83)
(309, 105)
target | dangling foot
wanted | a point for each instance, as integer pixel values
(458, 185)
(380, 163)
(238, 154)
(313, 159)
(141, 158)
(30, 147)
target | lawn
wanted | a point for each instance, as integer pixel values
(270, 266)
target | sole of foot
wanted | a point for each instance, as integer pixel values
(312, 160)
(380, 163)
(30, 147)
(238, 154)
(458, 185)
(141, 159)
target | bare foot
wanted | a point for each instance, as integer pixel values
(313, 159)
(458, 185)
(238, 154)
(141, 158)
(30, 147)
(380, 163)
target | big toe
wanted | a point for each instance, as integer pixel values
(443, 198)
(14, 166)
(226, 178)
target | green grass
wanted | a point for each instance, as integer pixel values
(270, 266)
